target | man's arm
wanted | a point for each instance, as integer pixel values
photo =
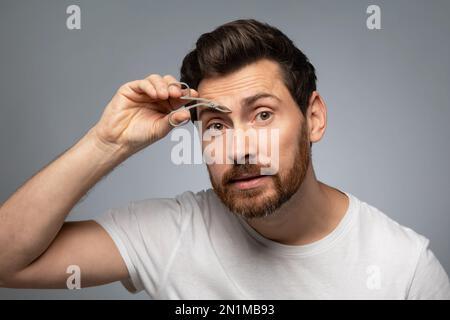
(31, 221)
(84, 244)
(36, 246)
(430, 281)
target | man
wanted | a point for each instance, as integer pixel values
(253, 236)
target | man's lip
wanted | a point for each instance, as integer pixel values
(254, 181)
(245, 177)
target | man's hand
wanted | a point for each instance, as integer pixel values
(137, 115)
(34, 216)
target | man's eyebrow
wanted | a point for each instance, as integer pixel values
(252, 99)
(245, 102)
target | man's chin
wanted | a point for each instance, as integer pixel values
(251, 203)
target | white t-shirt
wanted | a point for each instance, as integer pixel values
(193, 247)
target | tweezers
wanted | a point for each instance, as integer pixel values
(201, 102)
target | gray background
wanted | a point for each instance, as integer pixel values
(387, 92)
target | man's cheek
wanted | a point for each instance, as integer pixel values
(269, 151)
(215, 173)
(285, 157)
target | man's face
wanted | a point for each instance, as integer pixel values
(259, 101)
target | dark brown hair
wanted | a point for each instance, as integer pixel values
(241, 42)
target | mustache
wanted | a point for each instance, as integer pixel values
(241, 169)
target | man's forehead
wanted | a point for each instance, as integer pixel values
(260, 76)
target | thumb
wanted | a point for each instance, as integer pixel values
(179, 117)
(193, 93)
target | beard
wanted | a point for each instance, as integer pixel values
(265, 199)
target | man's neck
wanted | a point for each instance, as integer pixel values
(313, 212)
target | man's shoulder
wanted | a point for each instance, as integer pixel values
(187, 201)
(386, 233)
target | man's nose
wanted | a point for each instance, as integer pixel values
(242, 144)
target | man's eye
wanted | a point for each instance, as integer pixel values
(215, 126)
(264, 115)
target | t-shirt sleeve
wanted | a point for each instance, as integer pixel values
(430, 281)
(146, 234)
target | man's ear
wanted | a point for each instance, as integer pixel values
(316, 117)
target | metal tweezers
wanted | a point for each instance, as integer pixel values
(201, 102)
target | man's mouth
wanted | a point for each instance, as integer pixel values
(248, 181)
